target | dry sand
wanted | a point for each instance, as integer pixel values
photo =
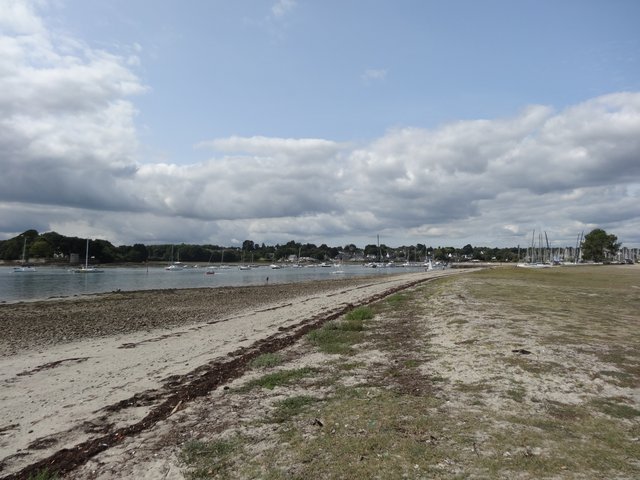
(69, 368)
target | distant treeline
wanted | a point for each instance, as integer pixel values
(52, 247)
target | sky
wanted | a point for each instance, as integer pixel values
(444, 123)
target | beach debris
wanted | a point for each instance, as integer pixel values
(521, 351)
(175, 409)
(6, 428)
(49, 365)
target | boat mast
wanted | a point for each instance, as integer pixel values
(548, 248)
(533, 241)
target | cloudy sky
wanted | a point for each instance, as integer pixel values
(323, 121)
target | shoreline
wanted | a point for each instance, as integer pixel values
(27, 322)
(69, 362)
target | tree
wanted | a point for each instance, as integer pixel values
(248, 245)
(41, 249)
(467, 249)
(371, 250)
(598, 244)
(137, 253)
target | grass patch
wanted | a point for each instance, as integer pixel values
(567, 298)
(333, 340)
(565, 412)
(266, 360)
(283, 377)
(593, 447)
(621, 379)
(349, 366)
(412, 363)
(397, 299)
(290, 407)
(366, 434)
(338, 337)
(44, 475)
(517, 393)
(359, 314)
(615, 407)
(437, 378)
(207, 459)
(531, 365)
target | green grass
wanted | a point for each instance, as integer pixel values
(207, 459)
(44, 475)
(568, 298)
(615, 407)
(359, 314)
(338, 337)
(366, 434)
(280, 378)
(533, 366)
(348, 366)
(578, 442)
(517, 393)
(290, 407)
(266, 360)
(397, 299)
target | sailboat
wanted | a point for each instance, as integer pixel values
(222, 265)
(86, 268)
(537, 257)
(244, 266)
(24, 267)
(338, 269)
(175, 265)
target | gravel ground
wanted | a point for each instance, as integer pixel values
(37, 325)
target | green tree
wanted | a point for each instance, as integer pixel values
(248, 245)
(371, 250)
(137, 253)
(41, 249)
(598, 244)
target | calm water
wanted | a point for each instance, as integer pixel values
(48, 282)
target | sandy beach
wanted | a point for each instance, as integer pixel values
(76, 370)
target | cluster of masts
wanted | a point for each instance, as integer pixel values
(543, 254)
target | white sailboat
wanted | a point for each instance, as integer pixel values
(537, 257)
(337, 269)
(24, 266)
(175, 265)
(244, 266)
(86, 268)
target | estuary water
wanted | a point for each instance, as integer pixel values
(54, 282)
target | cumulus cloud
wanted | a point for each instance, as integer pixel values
(67, 134)
(69, 157)
(18, 17)
(286, 147)
(259, 178)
